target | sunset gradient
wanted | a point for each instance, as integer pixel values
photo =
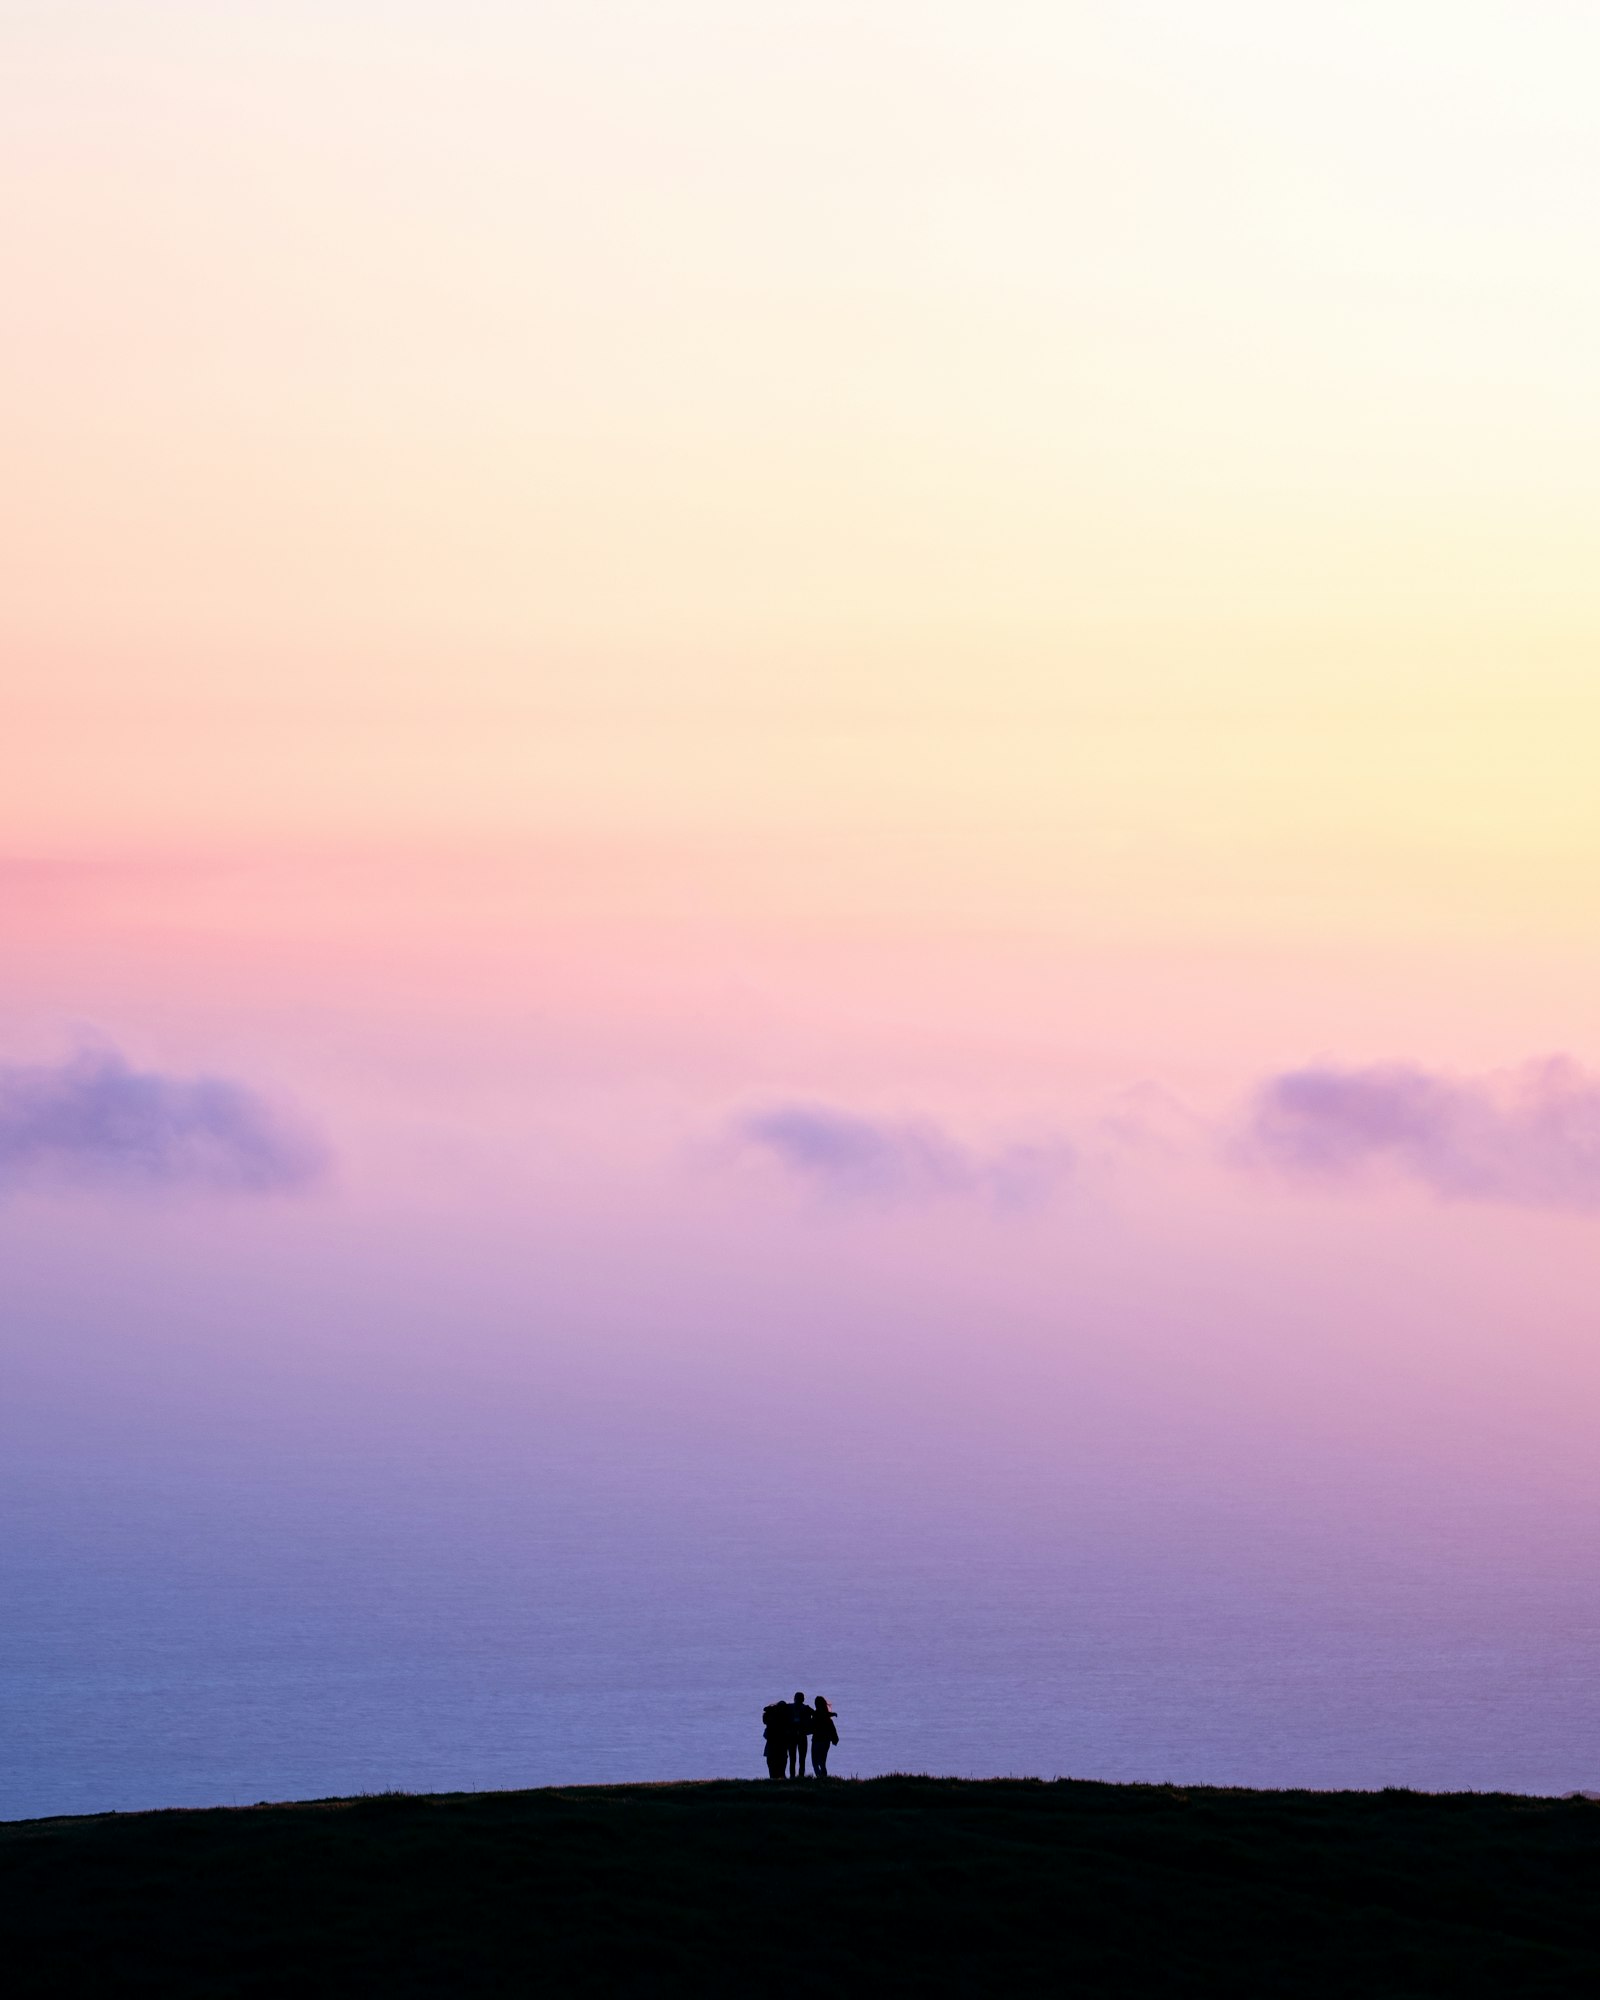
(878, 723)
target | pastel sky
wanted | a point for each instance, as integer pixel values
(916, 678)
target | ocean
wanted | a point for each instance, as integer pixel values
(409, 1590)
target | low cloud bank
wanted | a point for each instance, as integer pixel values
(1529, 1136)
(857, 1158)
(95, 1119)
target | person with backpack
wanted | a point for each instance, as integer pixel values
(777, 1728)
(823, 1735)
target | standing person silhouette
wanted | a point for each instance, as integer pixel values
(801, 1727)
(776, 1738)
(823, 1735)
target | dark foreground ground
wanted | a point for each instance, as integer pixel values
(898, 1885)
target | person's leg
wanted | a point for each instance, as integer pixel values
(800, 1758)
(819, 1758)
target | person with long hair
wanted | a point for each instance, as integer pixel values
(823, 1735)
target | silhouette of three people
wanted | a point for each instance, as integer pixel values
(787, 1726)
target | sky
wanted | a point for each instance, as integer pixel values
(725, 721)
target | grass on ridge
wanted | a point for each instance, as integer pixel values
(902, 1884)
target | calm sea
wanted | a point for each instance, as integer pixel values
(230, 1606)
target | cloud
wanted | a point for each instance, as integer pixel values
(855, 1157)
(1529, 1135)
(94, 1119)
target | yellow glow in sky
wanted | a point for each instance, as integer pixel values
(1144, 434)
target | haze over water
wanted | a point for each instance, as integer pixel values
(797, 853)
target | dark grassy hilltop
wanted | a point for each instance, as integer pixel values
(904, 1885)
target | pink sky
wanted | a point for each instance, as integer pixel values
(583, 580)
